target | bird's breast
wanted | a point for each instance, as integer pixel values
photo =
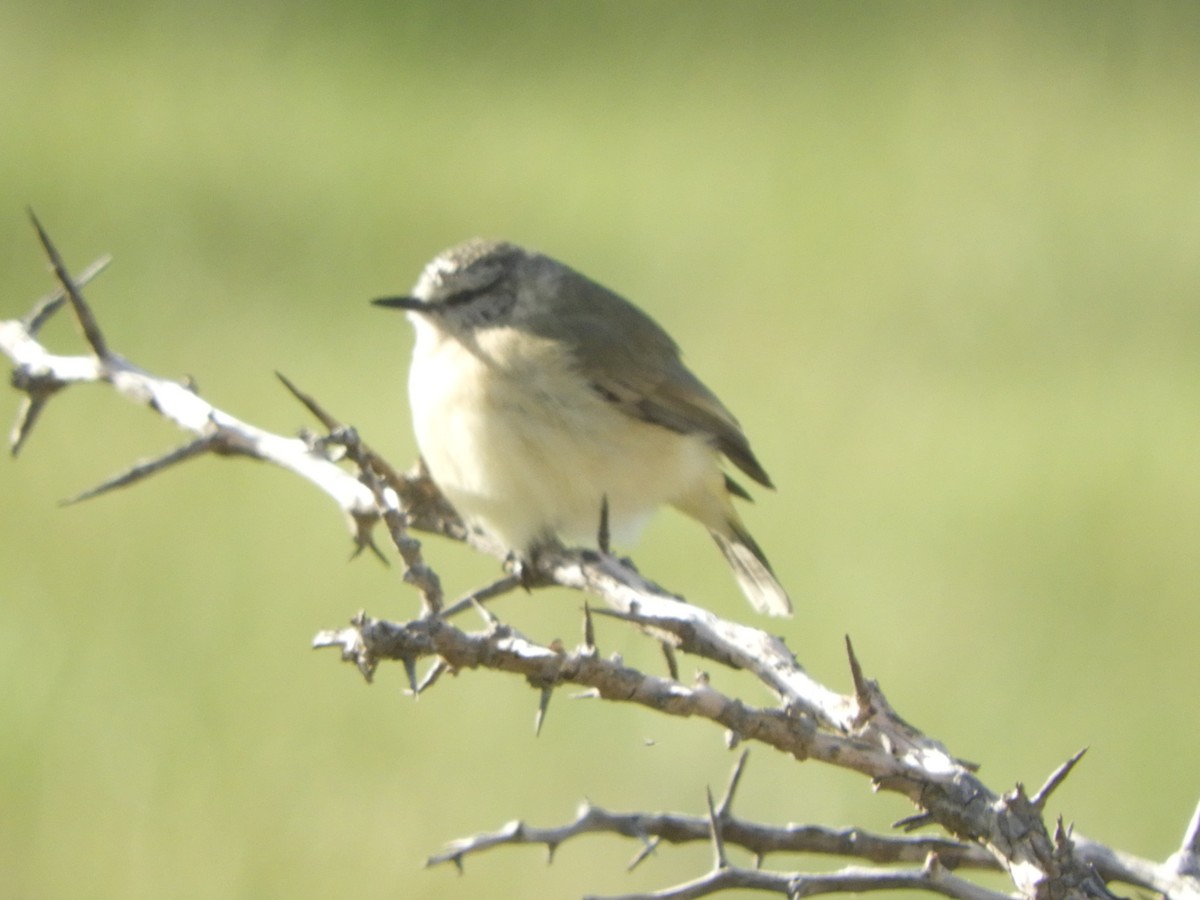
(522, 445)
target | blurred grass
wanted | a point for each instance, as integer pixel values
(940, 258)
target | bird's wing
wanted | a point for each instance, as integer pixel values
(632, 362)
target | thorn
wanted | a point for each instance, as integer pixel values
(352, 643)
(146, 469)
(543, 706)
(734, 777)
(435, 672)
(604, 535)
(498, 588)
(617, 614)
(348, 438)
(525, 569)
(648, 849)
(672, 662)
(863, 692)
(719, 860)
(737, 490)
(484, 613)
(52, 302)
(384, 470)
(87, 321)
(856, 672)
(458, 863)
(309, 403)
(410, 670)
(589, 628)
(378, 553)
(550, 848)
(912, 823)
(1191, 835)
(365, 540)
(1062, 832)
(1057, 777)
(27, 416)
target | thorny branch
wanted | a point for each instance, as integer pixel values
(859, 731)
(650, 829)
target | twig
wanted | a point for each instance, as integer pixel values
(41, 374)
(758, 839)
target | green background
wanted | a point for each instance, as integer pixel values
(941, 259)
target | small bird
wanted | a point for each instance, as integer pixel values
(540, 397)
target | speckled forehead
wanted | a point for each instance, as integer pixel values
(459, 260)
(436, 271)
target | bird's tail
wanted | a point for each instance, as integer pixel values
(753, 572)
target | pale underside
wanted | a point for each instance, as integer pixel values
(526, 449)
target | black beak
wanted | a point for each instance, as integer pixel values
(409, 303)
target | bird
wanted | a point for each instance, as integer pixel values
(540, 397)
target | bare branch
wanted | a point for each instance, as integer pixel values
(846, 881)
(760, 840)
(41, 374)
(860, 732)
(692, 629)
(1009, 826)
(387, 503)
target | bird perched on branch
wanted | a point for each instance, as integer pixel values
(540, 397)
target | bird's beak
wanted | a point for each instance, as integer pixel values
(409, 303)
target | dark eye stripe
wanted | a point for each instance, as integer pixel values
(605, 393)
(464, 297)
